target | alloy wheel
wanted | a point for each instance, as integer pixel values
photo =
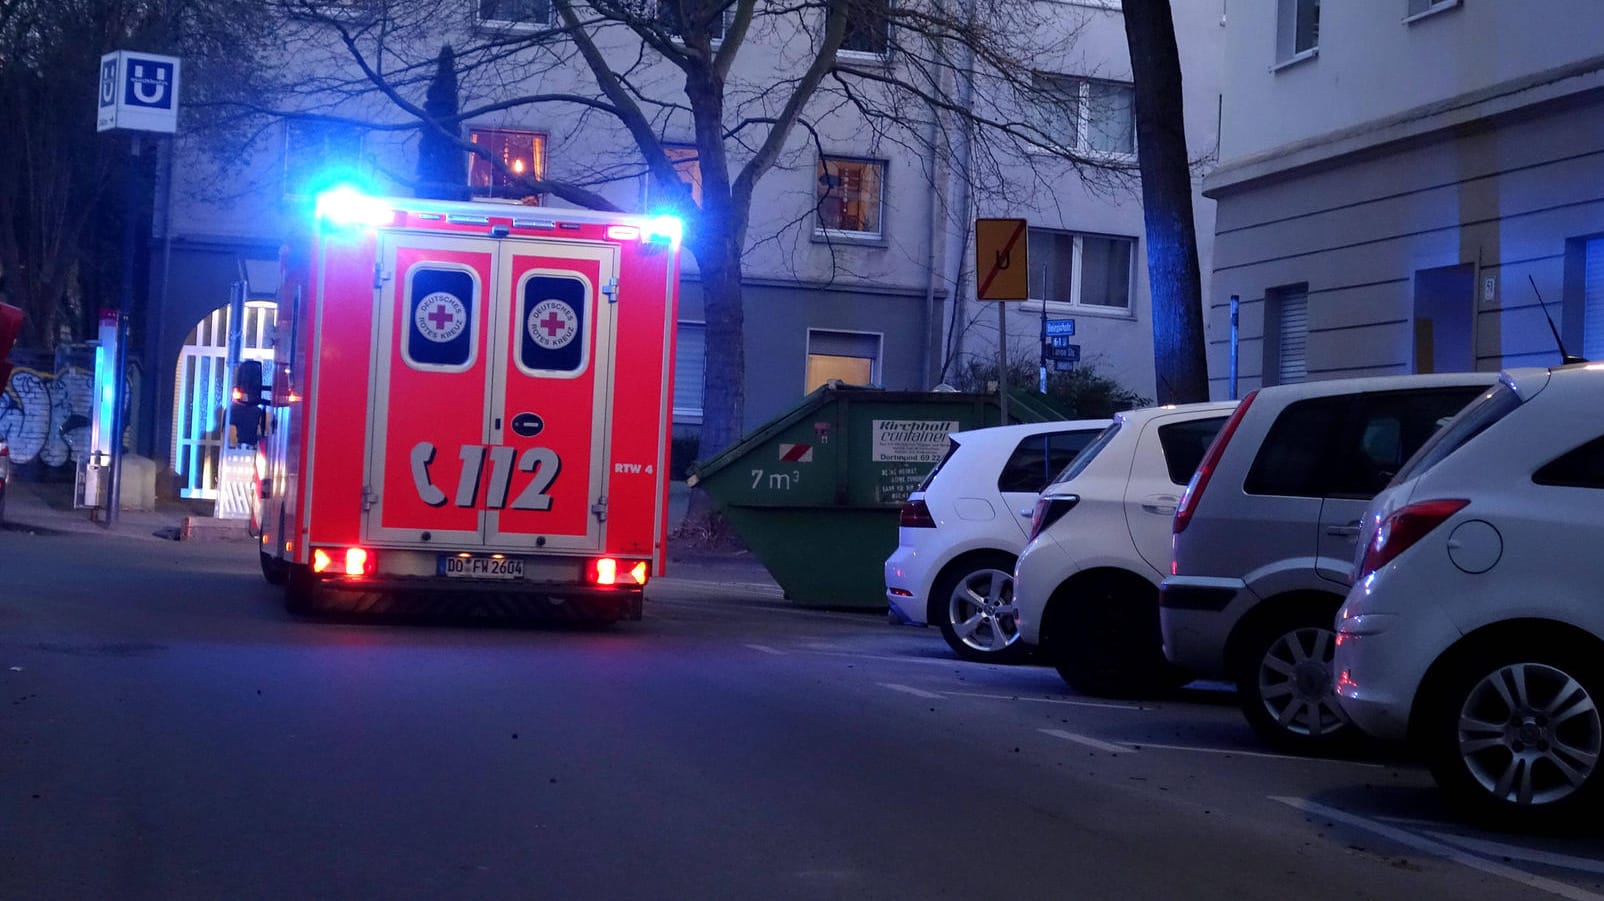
(981, 611)
(1295, 684)
(1529, 734)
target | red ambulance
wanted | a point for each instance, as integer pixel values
(470, 409)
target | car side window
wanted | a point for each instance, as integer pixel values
(1292, 460)
(1385, 431)
(1185, 443)
(1582, 467)
(1038, 458)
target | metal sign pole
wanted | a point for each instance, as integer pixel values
(1043, 385)
(1235, 304)
(1002, 357)
(119, 363)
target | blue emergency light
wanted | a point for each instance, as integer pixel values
(345, 205)
(663, 230)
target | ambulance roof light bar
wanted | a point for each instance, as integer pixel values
(345, 205)
(664, 230)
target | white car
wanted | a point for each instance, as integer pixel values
(1475, 627)
(1086, 587)
(960, 532)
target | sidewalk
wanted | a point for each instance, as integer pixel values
(46, 508)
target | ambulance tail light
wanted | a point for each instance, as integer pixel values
(349, 561)
(610, 573)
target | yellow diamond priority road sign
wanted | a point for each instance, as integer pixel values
(1001, 272)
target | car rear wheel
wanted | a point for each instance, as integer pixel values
(1516, 735)
(1285, 686)
(975, 609)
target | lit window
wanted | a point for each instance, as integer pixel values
(1086, 115)
(851, 357)
(522, 155)
(1080, 270)
(316, 149)
(868, 28)
(514, 13)
(687, 162)
(1297, 30)
(849, 195)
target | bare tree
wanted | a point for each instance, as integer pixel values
(748, 86)
(1172, 265)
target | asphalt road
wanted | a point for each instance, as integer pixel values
(167, 731)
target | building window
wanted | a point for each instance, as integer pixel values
(851, 357)
(868, 28)
(687, 162)
(517, 14)
(671, 19)
(1593, 300)
(1080, 270)
(1297, 32)
(1286, 335)
(522, 153)
(690, 364)
(1419, 9)
(849, 196)
(1087, 115)
(312, 150)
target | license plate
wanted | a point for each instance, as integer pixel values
(482, 567)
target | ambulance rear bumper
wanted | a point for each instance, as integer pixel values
(430, 595)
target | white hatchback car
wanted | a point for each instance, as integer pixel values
(1475, 627)
(960, 532)
(1086, 587)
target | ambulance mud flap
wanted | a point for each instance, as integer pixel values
(482, 603)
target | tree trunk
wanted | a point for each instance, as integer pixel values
(1173, 277)
(723, 383)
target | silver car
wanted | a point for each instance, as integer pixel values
(1264, 538)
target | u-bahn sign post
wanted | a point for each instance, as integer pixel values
(138, 92)
(1002, 273)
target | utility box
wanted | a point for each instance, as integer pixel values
(816, 493)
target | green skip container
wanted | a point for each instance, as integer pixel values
(816, 493)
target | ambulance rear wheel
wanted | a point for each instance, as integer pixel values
(300, 589)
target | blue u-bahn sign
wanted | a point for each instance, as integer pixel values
(138, 91)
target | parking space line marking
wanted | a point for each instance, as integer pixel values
(908, 689)
(931, 660)
(1201, 750)
(766, 649)
(1088, 742)
(1438, 849)
(1065, 701)
(1518, 852)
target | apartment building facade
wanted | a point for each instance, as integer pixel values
(858, 263)
(1407, 186)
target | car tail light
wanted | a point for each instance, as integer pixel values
(1205, 469)
(351, 561)
(608, 572)
(916, 515)
(1048, 511)
(1402, 528)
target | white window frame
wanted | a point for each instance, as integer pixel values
(483, 21)
(843, 234)
(871, 55)
(1057, 84)
(1077, 254)
(1286, 34)
(1415, 10)
(876, 375)
(726, 15)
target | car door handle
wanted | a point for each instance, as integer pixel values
(1028, 512)
(1161, 504)
(1351, 530)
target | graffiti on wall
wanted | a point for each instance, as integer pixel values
(45, 416)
